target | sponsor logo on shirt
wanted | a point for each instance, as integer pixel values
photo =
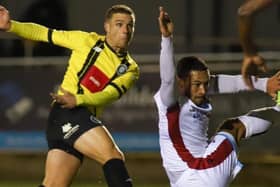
(94, 81)
(198, 114)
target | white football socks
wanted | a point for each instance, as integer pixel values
(254, 125)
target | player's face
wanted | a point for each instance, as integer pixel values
(119, 31)
(196, 86)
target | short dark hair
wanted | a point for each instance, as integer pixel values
(119, 9)
(187, 64)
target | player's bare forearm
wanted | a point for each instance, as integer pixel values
(246, 14)
(252, 63)
(245, 36)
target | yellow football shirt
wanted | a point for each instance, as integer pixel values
(107, 66)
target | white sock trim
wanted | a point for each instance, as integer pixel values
(254, 125)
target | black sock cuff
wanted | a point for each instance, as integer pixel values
(116, 173)
(115, 162)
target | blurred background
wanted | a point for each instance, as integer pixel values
(30, 71)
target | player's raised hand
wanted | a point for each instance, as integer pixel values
(5, 20)
(273, 85)
(166, 25)
(252, 65)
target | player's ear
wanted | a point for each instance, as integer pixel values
(180, 84)
(183, 82)
(106, 27)
(184, 86)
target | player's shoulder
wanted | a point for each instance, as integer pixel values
(96, 36)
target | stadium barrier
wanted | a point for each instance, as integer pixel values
(26, 82)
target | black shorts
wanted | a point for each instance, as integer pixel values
(65, 126)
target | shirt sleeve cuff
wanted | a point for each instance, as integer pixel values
(13, 24)
(79, 100)
(261, 84)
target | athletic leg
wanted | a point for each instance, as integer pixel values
(254, 123)
(98, 144)
(60, 169)
(79, 133)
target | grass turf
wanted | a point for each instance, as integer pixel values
(87, 184)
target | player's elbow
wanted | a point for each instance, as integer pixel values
(250, 8)
(245, 12)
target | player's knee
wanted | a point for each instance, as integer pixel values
(233, 126)
(119, 154)
(228, 124)
(115, 153)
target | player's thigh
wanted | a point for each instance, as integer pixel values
(60, 169)
(98, 144)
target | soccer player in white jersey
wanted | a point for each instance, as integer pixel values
(188, 157)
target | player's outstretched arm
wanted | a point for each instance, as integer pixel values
(166, 61)
(5, 20)
(222, 83)
(252, 63)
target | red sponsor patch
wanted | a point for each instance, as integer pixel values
(94, 80)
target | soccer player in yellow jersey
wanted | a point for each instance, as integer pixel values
(100, 71)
